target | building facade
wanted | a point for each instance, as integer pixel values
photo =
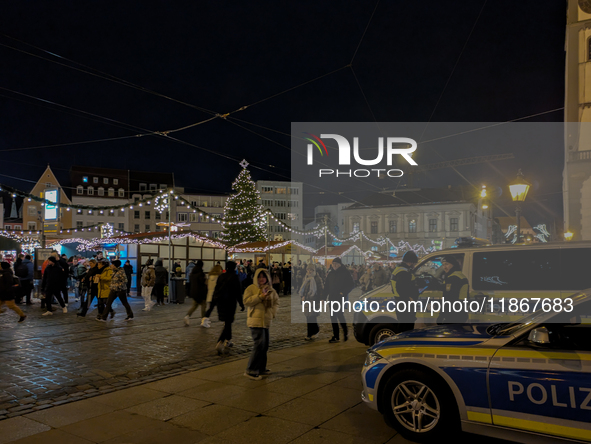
(427, 217)
(285, 200)
(33, 213)
(201, 224)
(577, 117)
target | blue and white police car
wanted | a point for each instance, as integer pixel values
(528, 381)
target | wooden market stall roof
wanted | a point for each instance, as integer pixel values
(273, 246)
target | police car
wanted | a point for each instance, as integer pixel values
(528, 381)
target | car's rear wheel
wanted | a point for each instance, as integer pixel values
(381, 332)
(419, 406)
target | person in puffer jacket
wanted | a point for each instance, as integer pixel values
(262, 302)
(118, 289)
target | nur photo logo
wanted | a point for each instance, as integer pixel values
(387, 148)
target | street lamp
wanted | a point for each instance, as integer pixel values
(519, 188)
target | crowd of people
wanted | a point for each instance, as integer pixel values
(255, 289)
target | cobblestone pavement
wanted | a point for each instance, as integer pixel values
(53, 360)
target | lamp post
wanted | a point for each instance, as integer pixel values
(519, 188)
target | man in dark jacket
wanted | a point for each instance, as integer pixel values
(51, 284)
(197, 289)
(7, 291)
(25, 274)
(88, 282)
(161, 281)
(338, 285)
(405, 289)
(227, 294)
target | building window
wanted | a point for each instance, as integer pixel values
(356, 227)
(158, 228)
(90, 191)
(121, 226)
(412, 226)
(111, 192)
(267, 202)
(147, 215)
(163, 186)
(147, 227)
(279, 203)
(292, 216)
(280, 216)
(295, 191)
(157, 215)
(115, 181)
(432, 225)
(101, 191)
(153, 187)
(268, 190)
(32, 210)
(106, 180)
(182, 217)
(111, 213)
(193, 217)
(78, 211)
(47, 184)
(454, 224)
(121, 192)
(393, 226)
(143, 187)
(95, 180)
(79, 224)
(374, 227)
(30, 226)
(280, 190)
(292, 203)
(80, 189)
(136, 228)
(89, 212)
(136, 214)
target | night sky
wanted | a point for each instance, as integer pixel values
(214, 57)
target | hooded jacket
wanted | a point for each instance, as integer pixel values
(148, 276)
(228, 294)
(161, 273)
(260, 312)
(104, 285)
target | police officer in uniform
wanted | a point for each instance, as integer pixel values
(405, 289)
(456, 288)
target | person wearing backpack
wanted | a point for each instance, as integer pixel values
(7, 290)
(118, 289)
(197, 290)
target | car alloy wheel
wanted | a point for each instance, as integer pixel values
(415, 406)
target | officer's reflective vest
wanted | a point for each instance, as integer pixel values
(464, 289)
(397, 270)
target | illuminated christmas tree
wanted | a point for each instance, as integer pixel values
(244, 219)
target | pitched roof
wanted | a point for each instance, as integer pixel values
(417, 196)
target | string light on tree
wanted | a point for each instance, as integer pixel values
(244, 216)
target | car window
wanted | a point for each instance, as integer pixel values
(567, 331)
(433, 266)
(574, 268)
(517, 270)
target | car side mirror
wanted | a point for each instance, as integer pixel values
(539, 336)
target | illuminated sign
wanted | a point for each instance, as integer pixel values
(51, 209)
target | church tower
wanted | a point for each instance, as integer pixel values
(577, 116)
